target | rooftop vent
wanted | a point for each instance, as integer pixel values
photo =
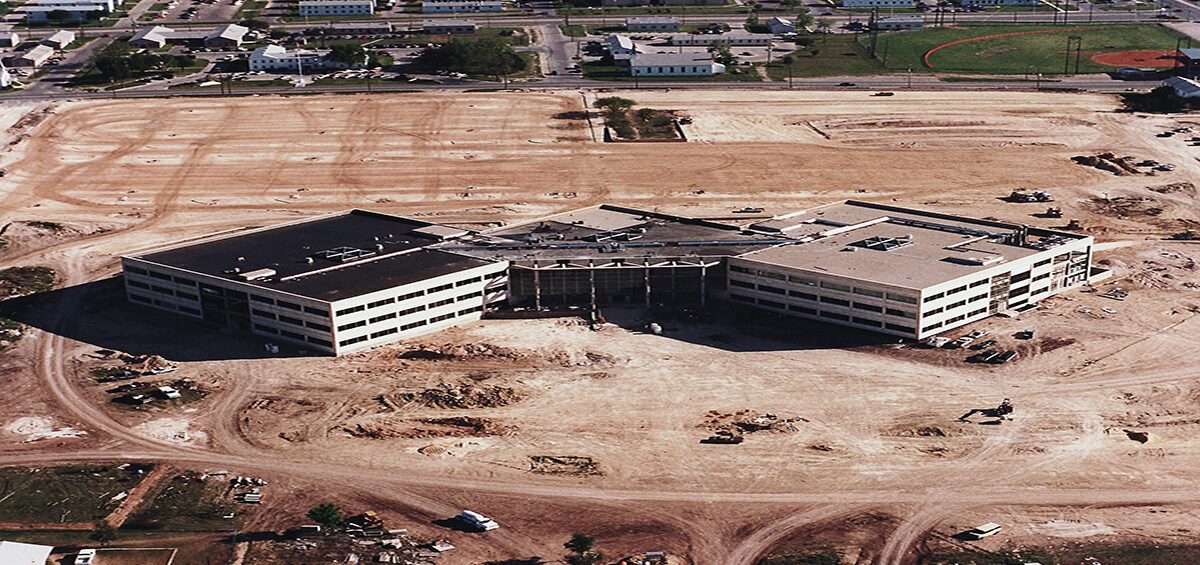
(880, 243)
(257, 274)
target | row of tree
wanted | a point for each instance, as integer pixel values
(489, 56)
(119, 62)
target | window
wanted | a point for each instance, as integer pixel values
(352, 340)
(1041, 290)
(441, 303)
(803, 280)
(804, 295)
(187, 296)
(466, 282)
(136, 284)
(740, 284)
(771, 275)
(379, 303)
(931, 327)
(741, 298)
(262, 313)
(162, 290)
(470, 310)
(440, 288)
(316, 326)
(437, 319)
(351, 310)
(382, 333)
(352, 325)
(1018, 291)
(160, 276)
(935, 311)
(902, 298)
(901, 313)
(469, 296)
(315, 311)
(319, 341)
(139, 298)
(262, 299)
(1019, 277)
(266, 329)
(293, 335)
(290, 320)
(411, 295)
(898, 328)
(866, 322)
(867, 307)
(835, 316)
(838, 301)
(980, 282)
(378, 319)
(835, 286)
(737, 269)
(803, 310)
(977, 312)
(136, 270)
(956, 304)
(187, 310)
(1041, 263)
(771, 304)
(411, 310)
(416, 324)
(868, 292)
(954, 319)
(956, 291)
(1040, 277)
(771, 289)
(289, 305)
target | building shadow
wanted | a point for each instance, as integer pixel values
(734, 328)
(105, 319)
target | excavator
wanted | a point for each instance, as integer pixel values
(1002, 412)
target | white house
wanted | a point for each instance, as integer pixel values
(780, 26)
(6, 80)
(436, 6)
(33, 58)
(877, 3)
(674, 65)
(448, 27)
(8, 37)
(337, 7)
(153, 37)
(77, 10)
(274, 58)
(985, 3)
(732, 38)
(651, 23)
(60, 39)
(228, 35)
(1184, 87)
(621, 47)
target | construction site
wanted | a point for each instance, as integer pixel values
(672, 427)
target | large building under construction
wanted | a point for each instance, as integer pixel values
(345, 282)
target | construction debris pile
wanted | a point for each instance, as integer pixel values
(455, 426)
(1120, 165)
(464, 351)
(731, 428)
(446, 395)
(573, 465)
(364, 539)
(1126, 206)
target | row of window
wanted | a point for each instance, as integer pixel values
(962, 288)
(294, 335)
(409, 326)
(827, 299)
(824, 314)
(953, 320)
(403, 297)
(163, 304)
(162, 290)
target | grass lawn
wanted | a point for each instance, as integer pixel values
(250, 9)
(186, 505)
(74, 493)
(829, 55)
(1018, 54)
(597, 71)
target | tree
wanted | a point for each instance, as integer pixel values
(348, 55)
(804, 18)
(328, 515)
(613, 103)
(257, 25)
(723, 54)
(752, 20)
(112, 67)
(103, 533)
(580, 545)
(824, 25)
(485, 56)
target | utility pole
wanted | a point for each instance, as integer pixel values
(910, 77)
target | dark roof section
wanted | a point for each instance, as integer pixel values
(356, 252)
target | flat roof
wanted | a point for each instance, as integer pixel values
(327, 258)
(897, 246)
(611, 232)
(651, 20)
(669, 59)
(17, 553)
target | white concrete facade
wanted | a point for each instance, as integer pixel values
(674, 65)
(650, 23)
(733, 38)
(877, 3)
(337, 7)
(461, 6)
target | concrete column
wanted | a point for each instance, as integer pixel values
(646, 264)
(592, 283)
(537, 287)
(703, 283)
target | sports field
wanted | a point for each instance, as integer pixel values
(1009, 49)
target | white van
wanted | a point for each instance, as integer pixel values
(478, 521)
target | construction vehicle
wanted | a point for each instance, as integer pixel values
(1035, 196)
(1053, 212)
(1074, 225)
(1002, 411)
(724, 437)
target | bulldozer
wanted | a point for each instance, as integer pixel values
(1053, 212)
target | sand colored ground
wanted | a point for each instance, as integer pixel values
(870, 443)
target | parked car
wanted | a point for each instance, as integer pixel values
(477, 521)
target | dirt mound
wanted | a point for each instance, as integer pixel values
(464, 351)
(446, 395)
(1151, 58)
(572, 465)
(1126, 206)
(748, 422)
(1173, 188)
(1108, 162)
(457, 426)
(925, 431)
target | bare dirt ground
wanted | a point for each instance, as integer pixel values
(551, 427)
